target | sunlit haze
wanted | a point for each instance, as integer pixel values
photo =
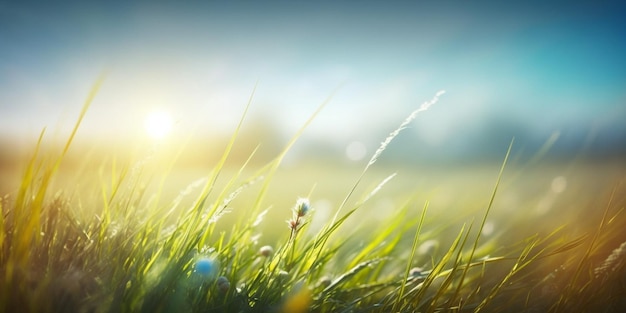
(312, 156)
(526, 70)
(158, 124)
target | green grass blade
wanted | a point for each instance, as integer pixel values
(410, 261)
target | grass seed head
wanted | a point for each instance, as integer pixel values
(300, 210)
(293, 224)
(223, 284)
(266, 251)
(416, 271)
(613, 262)
(324, 282)
(283, 275)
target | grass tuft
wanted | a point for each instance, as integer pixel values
(117, 243)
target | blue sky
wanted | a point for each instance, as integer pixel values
(556, 66)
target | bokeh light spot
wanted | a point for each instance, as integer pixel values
(355, 151)
(158, 124)
(559, 184)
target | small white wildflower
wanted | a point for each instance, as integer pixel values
(302, 207)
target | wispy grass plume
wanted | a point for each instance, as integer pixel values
(425, 106)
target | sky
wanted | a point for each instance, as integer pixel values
(530, 69)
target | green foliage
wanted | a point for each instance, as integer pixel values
(135, 254)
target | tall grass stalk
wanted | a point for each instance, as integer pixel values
(410, 262)
(570, 290)
(484, 220)
(425, 106)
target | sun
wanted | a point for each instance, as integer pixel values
(158, 124)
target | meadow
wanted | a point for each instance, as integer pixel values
(89, 231)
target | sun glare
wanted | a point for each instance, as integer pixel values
(158, 124)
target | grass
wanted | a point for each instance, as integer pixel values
(116, 245)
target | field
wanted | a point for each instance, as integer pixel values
(86, 230)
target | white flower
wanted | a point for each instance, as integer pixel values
(302, 207)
